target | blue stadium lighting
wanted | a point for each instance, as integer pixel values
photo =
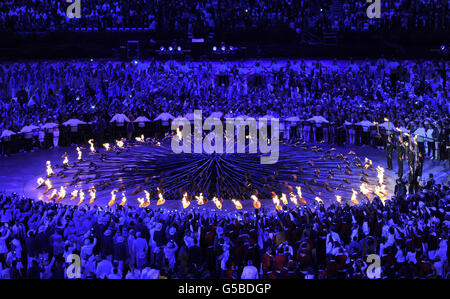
(179, 49)
(214, 48)
(223, 48)
(170, 49)
(162, 49)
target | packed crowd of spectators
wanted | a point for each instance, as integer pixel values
(222, 16)
(409, 235)
(397, 16)
(413, 95)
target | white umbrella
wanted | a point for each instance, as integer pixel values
(216, 114)
(141, 120)
(318, 119)
(49, 126)
(243, 116)
(7, 133)
(73, 122)
(365, 123)
(387, 126)
(293, 119)
(164, 116)
(268, 116)
(189, 116)
(404, 130)
(120, 118)
(229, 115)
(28, 129)
(421, 132)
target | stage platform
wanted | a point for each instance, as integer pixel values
(19, 174)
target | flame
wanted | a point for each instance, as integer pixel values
(256, 202)
(353, 198)
(124, 199)
(52, 195)
(80, 153)
(62, 193)
(141, 202)
(81, 194)
(381, 192)
(319, 200)
(119, 144)
(48, 183)
(284, 199)
(293, 198)
(112, 201)
(74, 194)
(140, 139)
(380, 175)
(92, 192)
(237, 204)
(185, 200)
(217, 202)
(49, 169)
(161, 199)
(66, 160)
(364, 189)
(367, 163)
(339, 199)
(158, 143)
(107, 146)
(276, 201)
(200, 199)
(147, 197)
(179, 134)
(40, 182)
(92, 148)
(299, 193)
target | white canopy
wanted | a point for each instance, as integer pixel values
(120, 118)
(73, 122)
(293, 118)
(164, 116)
(49, 126)
(28, 129)
(420, 132)
(189, 116)
(365, 123)
(216, 114)
(268, 117)
(404, 130)
(318, 119)
(141, 119)
(7, 133)
(387, 127)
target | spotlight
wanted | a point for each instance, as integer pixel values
(179, 49)
(162, 49)
(442, 48)
(170, 49)
(135, 62)
(214, 48)
(231, 48)
(223, 48)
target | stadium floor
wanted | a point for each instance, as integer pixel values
(19, 173)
